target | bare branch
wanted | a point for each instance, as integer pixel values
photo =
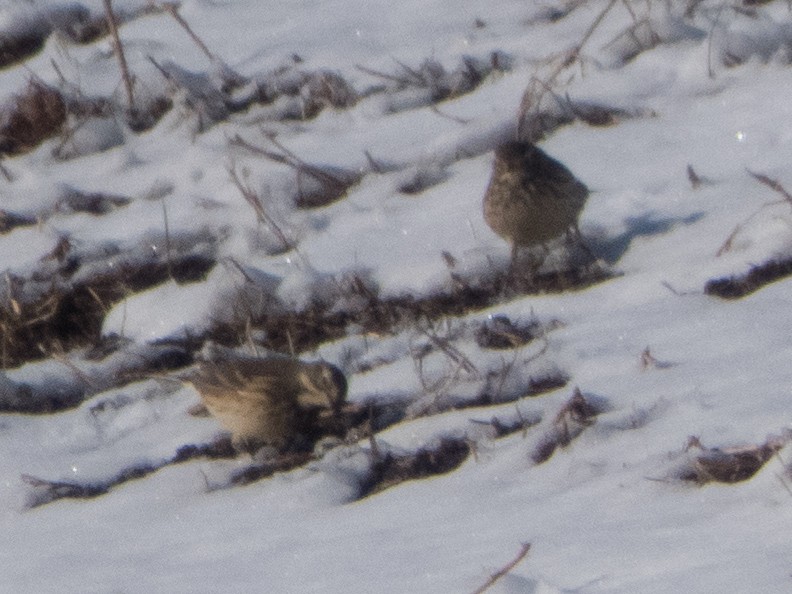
(524, 548)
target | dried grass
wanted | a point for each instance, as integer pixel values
(36, 114)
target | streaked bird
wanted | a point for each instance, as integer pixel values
(274, 401)
(531, 197)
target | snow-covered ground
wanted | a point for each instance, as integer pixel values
(402, 103)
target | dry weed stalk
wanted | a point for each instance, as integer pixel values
(119, 52)
(572, 419)
(172, 8)
(695, 180)
(537, 88)
(524, 548)
(36, 114)
(230, 78)
(253, 199)
(460, 366)
(333, 186)
(453, 353)
(771, 183)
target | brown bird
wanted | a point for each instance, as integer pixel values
(273, 401)
(531, 197)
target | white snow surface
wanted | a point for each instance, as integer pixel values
(609, 512)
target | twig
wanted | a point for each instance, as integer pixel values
(415, 75)
(6, 173)
(376, 167)
(252, 198)
(376, 454)
(172, 9)
(451, 351)
(524, 548)
(402, 81)
(168, 264)
(289, 159)
(456, 119)
(569, 58)
(693, 177)
(715, 23)
(773, 184)
(119, 52)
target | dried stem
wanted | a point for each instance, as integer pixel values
(288, 158)
(524, 548)
(173, 9)
(252, 198)
(119, 52)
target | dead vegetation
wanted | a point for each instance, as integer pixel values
(302, 95)
(38, 113)
(389, 469)
(499, 332)
(524, 549)
(45, 491)
(728, 465)
(574, 417)
(10, 221)
(95, 203)
(435, 81)
(69, 314)
(317, 186)
(735, 287)
(358, 305)
(71, 21)
(759, 275)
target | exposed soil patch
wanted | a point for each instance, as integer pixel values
(393, 469)
(70, 315)
(302, 331)
(757, 277)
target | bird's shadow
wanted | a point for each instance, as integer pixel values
(612, 248)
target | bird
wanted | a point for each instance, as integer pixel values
(531, 198)
(274, 401)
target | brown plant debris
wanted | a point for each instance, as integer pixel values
(441, 84)
(72, 20)
(69, 315)
(10, 220)
(574, 417)
(34, 115)
(45, 491)
(693, 177)
(316, 185)
(301, 95)
(499, 332)
(360, 306)
(524, 548)
(280, 463)
(734, 287)
(73, 200)
(391, 469)
(765, 180)
(728, 465)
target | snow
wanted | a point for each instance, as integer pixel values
(607, 513)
